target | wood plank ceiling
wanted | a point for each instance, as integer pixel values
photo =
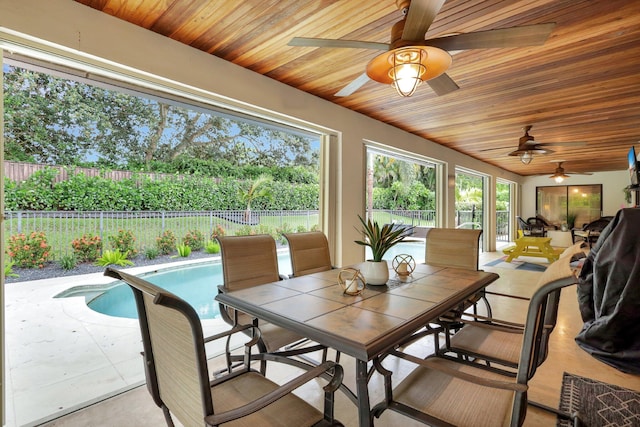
(582, 85)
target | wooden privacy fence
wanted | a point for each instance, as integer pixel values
(20, 171)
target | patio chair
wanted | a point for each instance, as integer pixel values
(532, 230)
(457, 248)
(592, 230)
(178, 378)
(442, 391)
(309, 252)
(249, 261)
(453, 247)
(497, 342)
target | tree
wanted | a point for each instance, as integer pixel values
(258, 188)
(60, 121)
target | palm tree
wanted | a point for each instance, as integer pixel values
(258, 188)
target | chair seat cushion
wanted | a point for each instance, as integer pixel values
(438, 394)
(288, 411)
(492, 343)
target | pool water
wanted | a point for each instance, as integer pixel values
(198, 284)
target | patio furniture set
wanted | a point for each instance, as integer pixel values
(296, 319)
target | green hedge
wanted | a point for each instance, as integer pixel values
(82, 193)
(187, 193)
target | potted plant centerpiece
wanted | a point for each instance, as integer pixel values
(380, 240)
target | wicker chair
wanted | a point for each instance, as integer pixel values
(532, 230)
(463, 393)
(309, 252)
(249, 261)
(178, 377)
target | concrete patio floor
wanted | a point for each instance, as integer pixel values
(61, 355)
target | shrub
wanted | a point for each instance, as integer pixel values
(151, 253)
(218, 231)
(8, 269)
(184, 250)
(114, 257)
(68, 262)
(29, 251)
(245, 230)
(212, 247)
(194, 239)
(279, 233)
(87, 248)
(124, 241)
(166, 242)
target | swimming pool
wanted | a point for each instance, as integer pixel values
(198, 284)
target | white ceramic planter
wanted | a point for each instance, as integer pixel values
(375, 273)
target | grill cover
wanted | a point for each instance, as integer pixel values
(609, 294)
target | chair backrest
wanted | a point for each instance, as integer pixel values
(597, 225)
(543, 307)
(248, 260)
(453, 247)
(174, 353)
(309, 252)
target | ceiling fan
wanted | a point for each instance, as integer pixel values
(410, 59)
(560, 174)
(527, 146)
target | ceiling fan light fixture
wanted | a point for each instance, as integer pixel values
(526, 157)
(408, 65)
(559, 177)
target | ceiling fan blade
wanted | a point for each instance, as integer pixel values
(354, 85)
(420, 17)
(443, 84)
(578, 173)
(497, 148)
(528, 35)
(353, 44)
(562, 144)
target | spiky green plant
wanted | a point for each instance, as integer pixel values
(8, 269)
(380, 239)
(212, 247)
(114, 257)
(184, 250)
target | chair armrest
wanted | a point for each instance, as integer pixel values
(484, 321)
(280, 392)
(500, 294)
(437, 364)
(236, 329)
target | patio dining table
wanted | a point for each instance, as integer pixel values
(362, 326)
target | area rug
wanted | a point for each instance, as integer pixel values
(598, 404)
(516, 265)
